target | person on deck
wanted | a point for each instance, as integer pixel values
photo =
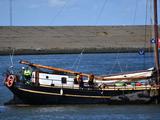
(80, 80)
(90, 81)
(27, 74)
(76, 79)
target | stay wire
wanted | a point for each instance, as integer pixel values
(11, 24)
(101, 11)
(59, 12)
(10, 12)
(152, 26)
(77, 61)
(135, 13)
(134, 22)
(117, 62)
(11, 57)
(145, 38)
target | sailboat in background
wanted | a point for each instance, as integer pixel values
(33, 85)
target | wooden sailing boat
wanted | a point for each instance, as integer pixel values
(69, 87)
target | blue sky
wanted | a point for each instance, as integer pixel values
(75, 12)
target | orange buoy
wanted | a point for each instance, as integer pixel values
(10, 80)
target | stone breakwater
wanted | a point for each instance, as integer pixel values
(73, 39)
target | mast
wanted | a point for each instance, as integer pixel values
(156, 39)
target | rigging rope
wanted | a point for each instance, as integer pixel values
(101, 11)
(151, 20)
(11, 24)
(60, 11)
(145, 36)
(116, 62)
(11, 58)
(134, 21)
(77, 61)
(10, 11)
(135, 13)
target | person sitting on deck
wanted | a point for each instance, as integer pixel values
(27, 74)
(80, 80)
(90, 81)
(76, 79)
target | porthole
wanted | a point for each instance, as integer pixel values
(47, 77)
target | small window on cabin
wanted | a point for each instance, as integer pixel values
(64, 80)
(47, 77)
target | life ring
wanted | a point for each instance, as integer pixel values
(10, 80)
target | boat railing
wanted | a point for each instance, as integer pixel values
(106, 87)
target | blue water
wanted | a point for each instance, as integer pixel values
(99, 64)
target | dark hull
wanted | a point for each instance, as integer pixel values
(52, 95)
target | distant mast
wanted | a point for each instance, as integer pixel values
(156, 39)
